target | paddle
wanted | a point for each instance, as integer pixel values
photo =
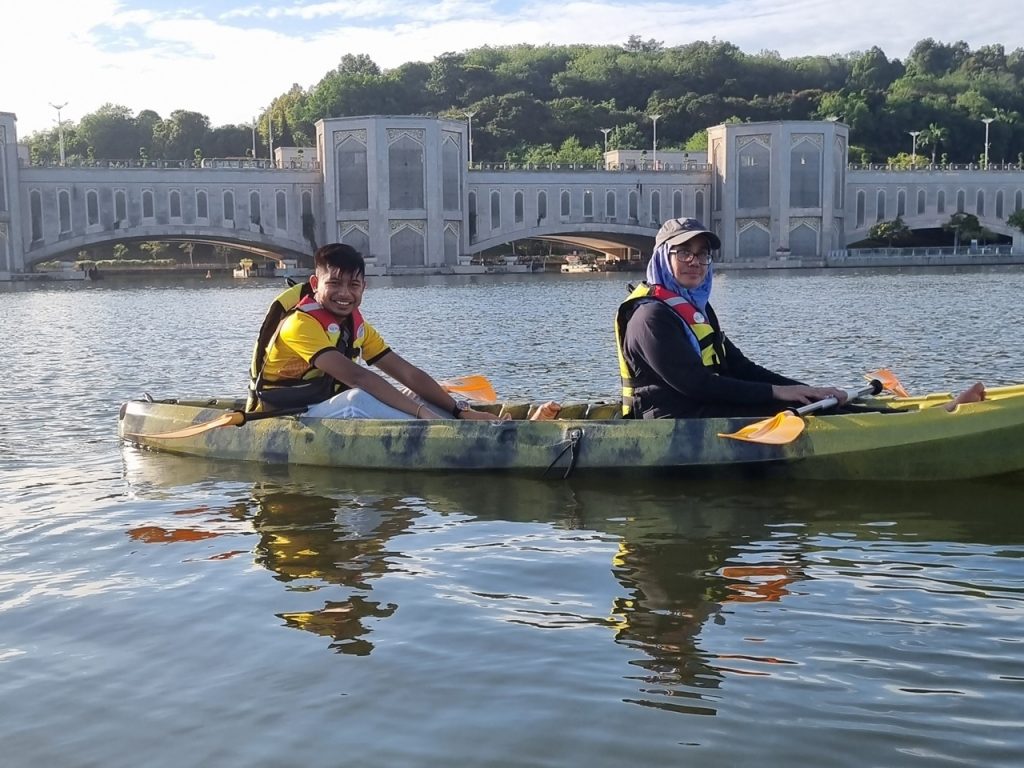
(889, 381)
(475, 387)
(785, 427)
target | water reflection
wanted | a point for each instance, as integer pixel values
(686, 560)
(308, 540)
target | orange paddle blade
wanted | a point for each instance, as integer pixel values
(233, 418)
(780, 429)
(473, 387)
(889, 381)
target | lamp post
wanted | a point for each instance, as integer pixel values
(654, 154)
(254, 139)
(606, 131)
(913, 151)
(987, 121)
(469, 116)
(60, 128)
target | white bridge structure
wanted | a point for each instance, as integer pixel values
(399, 189)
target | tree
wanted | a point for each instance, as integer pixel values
(154, 249)
(933, 136)
(358, 64)
(698, 142)
(177, 137)
(905, 161)
(891, 232)
(635, 44)
(110, 130)
(964, 226)
(626, 137)
(1016, 219)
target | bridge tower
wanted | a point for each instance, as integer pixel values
(394, 189)
(11, 251)
(778, 188)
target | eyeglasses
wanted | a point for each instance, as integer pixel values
(689, 257)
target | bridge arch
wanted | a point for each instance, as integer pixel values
(273, 248)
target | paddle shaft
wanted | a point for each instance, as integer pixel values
(246, 417)
(851, 394)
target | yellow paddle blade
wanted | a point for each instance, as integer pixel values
(233, 418)
(473, 387)
(889, 381)
(782, 428)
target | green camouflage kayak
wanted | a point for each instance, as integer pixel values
(921, 442)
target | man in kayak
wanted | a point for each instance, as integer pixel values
(674, 359)
(309, 344)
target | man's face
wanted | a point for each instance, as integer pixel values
(338, 292)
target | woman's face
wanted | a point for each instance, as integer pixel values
(690, 260)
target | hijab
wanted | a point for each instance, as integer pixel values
(659, 272)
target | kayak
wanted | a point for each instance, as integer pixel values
(920, 441)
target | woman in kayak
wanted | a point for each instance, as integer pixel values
(674, 359)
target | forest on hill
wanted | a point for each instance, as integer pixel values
(548, 103)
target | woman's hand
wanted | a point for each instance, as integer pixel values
(801, 393)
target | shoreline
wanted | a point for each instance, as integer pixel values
(837, 263)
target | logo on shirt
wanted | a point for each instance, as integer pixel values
(334, 328)
(698, 317)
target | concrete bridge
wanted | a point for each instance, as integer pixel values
(399, 190)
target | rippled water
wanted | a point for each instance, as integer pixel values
(156, 610)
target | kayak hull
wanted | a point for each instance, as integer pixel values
(923, 443)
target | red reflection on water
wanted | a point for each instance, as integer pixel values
(154, 534)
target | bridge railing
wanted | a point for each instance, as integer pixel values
(205, 163)
(936, 167)
(677, 167)
(883, 254)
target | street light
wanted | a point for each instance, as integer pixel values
(60, 128)
(913, 151)
(254, 139)
(987, 121)
(606, 131)
(469, 115)
(654, 156)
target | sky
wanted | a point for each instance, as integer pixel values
(229, 58)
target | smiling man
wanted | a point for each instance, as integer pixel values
(310, 343)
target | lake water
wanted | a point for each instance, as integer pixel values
(163, 611)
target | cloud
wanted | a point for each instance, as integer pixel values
(230, 63)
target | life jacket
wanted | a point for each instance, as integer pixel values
(712, 353)
(312, 385)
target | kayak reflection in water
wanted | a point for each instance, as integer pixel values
(674, 359)
(311, 541)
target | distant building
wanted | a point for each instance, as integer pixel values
(643, 160)
(294, 157)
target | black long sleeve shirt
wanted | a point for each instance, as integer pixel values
(671, 381)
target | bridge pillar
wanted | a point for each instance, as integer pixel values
(778, 188)
(12, 254)
(394, 189)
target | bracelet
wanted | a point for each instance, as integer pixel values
(418, 409)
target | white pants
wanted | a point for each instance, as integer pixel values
(357, 404)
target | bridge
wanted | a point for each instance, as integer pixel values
(400, 190)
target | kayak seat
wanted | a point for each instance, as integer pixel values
(603, 411)
(574, 411)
